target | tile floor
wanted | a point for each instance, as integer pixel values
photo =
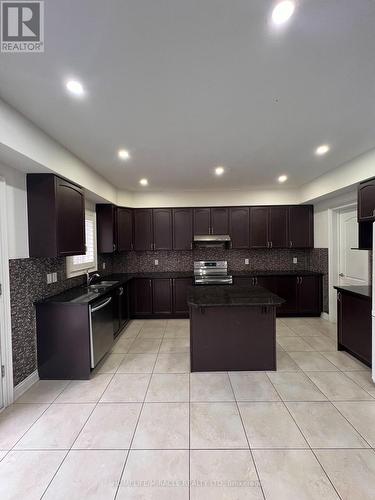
(145, 428)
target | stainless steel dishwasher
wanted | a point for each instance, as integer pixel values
(101, 329)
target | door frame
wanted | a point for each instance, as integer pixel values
(5, 315)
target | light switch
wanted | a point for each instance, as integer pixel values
(246, 262)
(295, 260)
(103, 265)
(156, 262)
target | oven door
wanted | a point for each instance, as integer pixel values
(213, 280)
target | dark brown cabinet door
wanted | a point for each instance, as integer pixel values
(162, 296)
(239, 227)
(70, 218)
(180, 291)
(366, 201)
(141, 299)
(143, 233)
(162, 221)
(286, 288)
(219, 220)
(301, 226)
(278, 227)
(259, 227)
(124, 227)
(309, 295)
(202, 221)
(182, 228)
(243, 280)
(267, 282)
(105, 228)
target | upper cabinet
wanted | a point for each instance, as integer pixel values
(202, 221)
(366, 201)
(259, 227)
(182, 228)
(162, 223)
(301, 226)
(56, 215)
(211, 220)
(114, 228)
(143, 229)
(239, 227)
(124, 229)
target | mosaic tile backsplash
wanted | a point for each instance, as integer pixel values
(28, 283)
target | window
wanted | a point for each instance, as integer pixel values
(79, 264)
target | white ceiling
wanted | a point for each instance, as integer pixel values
(186, 85)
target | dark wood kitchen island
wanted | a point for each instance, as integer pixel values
(232, 328)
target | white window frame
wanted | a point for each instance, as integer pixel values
(73, 270)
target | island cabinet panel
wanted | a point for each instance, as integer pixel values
(162, 296)
(56, 216)
(301, 226)
(141, 299)
(309, 295)
(259, 227)
(143, 230)
(219, 220)
(162, 224)
(354, 325)
(278, 227)
(124, 229)
(366, 201)
(286, 288)
(182, 228)
(180, 290)
(239, 228)
(202, 221)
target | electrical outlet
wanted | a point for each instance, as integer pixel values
(54, 277)
(295, 260)
(246, 262)
(103, 265)
(156, 262)
(49, 278)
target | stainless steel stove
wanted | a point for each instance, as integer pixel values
(212, 272)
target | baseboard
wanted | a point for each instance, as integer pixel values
(23, 386)
(325, 316)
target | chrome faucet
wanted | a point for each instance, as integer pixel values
(90, 278)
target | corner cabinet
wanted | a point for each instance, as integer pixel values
(114, 227)
(56, 216)
(366, 201)
(301, 226)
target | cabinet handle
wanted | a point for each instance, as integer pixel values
(301, 280)
(271, 244)
(297, 280)
(114, 247)
(290, 244)
(256, 281)
(339, 296)
(253, 281)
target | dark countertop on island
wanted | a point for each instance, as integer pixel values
(215, 296)
(359, 291)
(255, 272)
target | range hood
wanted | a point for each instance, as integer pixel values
(212, 240)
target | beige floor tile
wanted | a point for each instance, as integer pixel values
(148, 473)
(171, 323)
(210, 387)
(269, 425)
(312, 361)
(172, 363)
(284, 331)
(322, 344)
(110, 363)
(2, 454)
(16, 420)
(352, 472)
(132, 329)
(43, 391)
(306, 330)
(291, 344)
(216, 425)
(324, 427)
(295, 387)
(126, 388)
(163, 426)
(278, 347)
(122, 345)
(145, 346)
(26, 474)
(344, 361)
(252, 386)
(181, 345)
(361, 414)
(364, 379)
(168, 387)
(177, 334)
(85, 391)
(110, 426)
(155, 323)
(292, 475)
(156, 333)
(337, 386)
(285, 363)
(57, 428)
(223, 475)
(88, 474)
(137, 363)
(323, 325)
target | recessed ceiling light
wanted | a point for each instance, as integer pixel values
(322, 150)
(219, 170)
(124, 154)
(143, 182)
(75, 87)
(282, 178)
(282, 12)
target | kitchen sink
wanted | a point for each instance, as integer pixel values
(101, 285)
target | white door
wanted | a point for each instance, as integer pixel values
(353, 264)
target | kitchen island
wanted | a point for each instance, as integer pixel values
(232, 328)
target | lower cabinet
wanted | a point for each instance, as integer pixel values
(141, 297)
(162, 296)
(121, 313)
(180, 290)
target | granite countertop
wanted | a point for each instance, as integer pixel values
(274, 273)
(215, 296)
(360, 291)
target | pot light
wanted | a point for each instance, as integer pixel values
(282, 178)
(282, 12)
(75, 87)
(143, 182)
(219, 170)
(322, 150)
(124, 154)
